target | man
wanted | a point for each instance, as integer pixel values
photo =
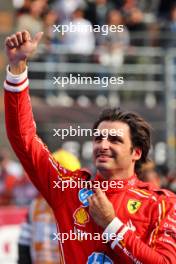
(137, 224)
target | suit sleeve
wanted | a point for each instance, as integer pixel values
(161, 249)
(35, 157)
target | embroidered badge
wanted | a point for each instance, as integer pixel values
(133, 206)
(81, 216)
(83, 195)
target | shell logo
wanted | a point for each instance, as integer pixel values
(81, 216)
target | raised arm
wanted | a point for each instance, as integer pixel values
(21, 130)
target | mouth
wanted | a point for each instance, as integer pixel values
(103, 157)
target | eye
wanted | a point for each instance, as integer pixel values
(98, 138)
(115, 139)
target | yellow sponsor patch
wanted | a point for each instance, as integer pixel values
(81, 216)
(133, 206)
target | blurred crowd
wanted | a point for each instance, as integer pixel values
(15, 187)
(145, 23)
(140, 19)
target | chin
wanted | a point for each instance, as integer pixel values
(102, 166)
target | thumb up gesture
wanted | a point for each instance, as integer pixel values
(20, 46)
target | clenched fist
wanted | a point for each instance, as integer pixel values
(19, 47)
(100, 208)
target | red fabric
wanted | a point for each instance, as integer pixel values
(12, 215)
(10, 182)
(153, 241)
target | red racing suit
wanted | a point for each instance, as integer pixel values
(144, 230)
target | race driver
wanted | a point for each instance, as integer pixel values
(137, 220)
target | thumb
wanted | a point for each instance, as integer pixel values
(37, 38)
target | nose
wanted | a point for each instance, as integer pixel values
(104, 144)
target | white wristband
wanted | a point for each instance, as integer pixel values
(16, 83)
(119, 237)
(112, 228)
(16, 78)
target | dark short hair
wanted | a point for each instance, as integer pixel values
(140, 130)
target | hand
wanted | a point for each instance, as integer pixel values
(20, 46)
(101, 209)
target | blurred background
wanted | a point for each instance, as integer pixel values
(144, 54)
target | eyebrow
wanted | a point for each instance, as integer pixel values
(116, 137)
(119, 138)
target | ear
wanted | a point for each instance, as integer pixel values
(137, 153)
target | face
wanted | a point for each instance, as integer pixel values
(153, 177)
(115, 18)
(37, 8)
(173, 14)
(114, 154)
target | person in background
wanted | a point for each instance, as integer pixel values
(51, 41)
(112, 49)
(51, 18)
(171, 178)
(66, 8)
(137, 27)
(169, 40)
(80, 42)
(32, 20)
(169, 30)
(114, 43)
(36, 244)
(11, 173)
(148, 173)
(97, 11)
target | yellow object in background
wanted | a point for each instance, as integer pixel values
(67, 159)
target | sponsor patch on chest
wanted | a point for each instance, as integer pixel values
(133, 206)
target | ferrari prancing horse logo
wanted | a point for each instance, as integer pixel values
(133, 206)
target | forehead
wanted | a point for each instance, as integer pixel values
(115, 125)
